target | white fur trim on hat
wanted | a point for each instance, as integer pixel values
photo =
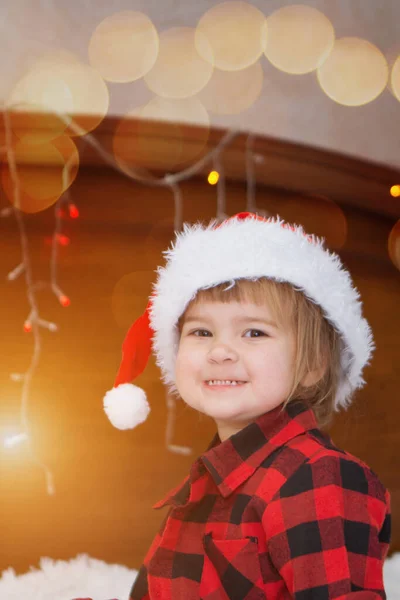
(126, 406)
(205, 256)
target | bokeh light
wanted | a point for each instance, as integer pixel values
(124, 46)
(236, 33)
(394, 245)
(161, 134)
(395, 191)
(395, 78)
(232, 92)
(45, 171)
(355, 73)
(299, 39)
(213, 177)
(61, 85)
(179, 71)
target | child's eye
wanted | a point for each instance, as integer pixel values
(200, 332)
(257, 333)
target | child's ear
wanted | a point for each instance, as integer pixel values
(312, 377)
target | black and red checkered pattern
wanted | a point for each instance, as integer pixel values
(276, 511)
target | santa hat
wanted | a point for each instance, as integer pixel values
(244, 246)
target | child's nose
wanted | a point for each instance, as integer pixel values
(221, 352)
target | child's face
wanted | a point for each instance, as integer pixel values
(233, 341)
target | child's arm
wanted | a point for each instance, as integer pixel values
(328, 531)
(140, 590)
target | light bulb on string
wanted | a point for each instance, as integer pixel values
(33, 322)
(63, 240)
(395, 191)
(213, 177)
(73, 211)
(64, 301)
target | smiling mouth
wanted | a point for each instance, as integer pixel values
(224, 382)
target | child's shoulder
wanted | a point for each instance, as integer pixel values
(325, 464)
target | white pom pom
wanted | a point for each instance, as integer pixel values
(126, 406)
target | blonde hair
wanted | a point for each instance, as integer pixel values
(317, 343)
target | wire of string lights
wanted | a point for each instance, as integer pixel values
(35, 322)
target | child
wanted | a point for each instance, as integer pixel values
(258, 326)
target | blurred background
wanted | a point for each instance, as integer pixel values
(120, 121)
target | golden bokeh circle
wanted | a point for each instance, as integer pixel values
(62, 88)
(395, 78)
(90, 96)
(124, 46)
(394, 245)
(299, 39)
(35, 103)
(355, 73)
(235, 32)
(232, 92)
(162, 134)
(45, 171)
(179, 71)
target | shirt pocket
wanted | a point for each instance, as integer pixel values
(231, 569)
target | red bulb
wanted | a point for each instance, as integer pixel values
(73, 211)
(64, 301)
(63, 240)
(27, 327)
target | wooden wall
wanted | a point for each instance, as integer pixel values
(107, 480)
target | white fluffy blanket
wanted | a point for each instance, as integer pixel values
(85, 577)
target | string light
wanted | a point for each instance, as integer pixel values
(63, 239)
(213, 177)
(27, 327)
(15, 273)
(221, 196)
(34, 321)
(77, 75)
(395, 191)
(65, 301)
(73, 211)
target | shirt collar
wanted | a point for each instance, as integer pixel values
(232, 462)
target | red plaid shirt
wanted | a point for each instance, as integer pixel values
(276, 511)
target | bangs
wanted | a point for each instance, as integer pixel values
(279, 296)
